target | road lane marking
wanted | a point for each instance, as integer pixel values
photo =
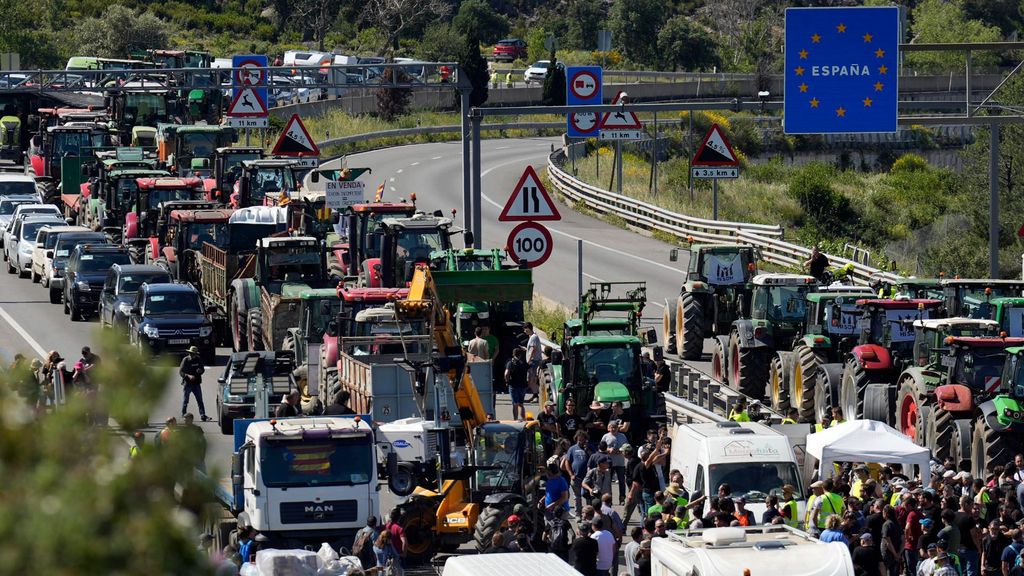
(392, 179)
(392, 188)
(656, 304)
(502, 147)
(592, 277)
(399, 171)
(23, 333)
(414, 164)
(437, 157)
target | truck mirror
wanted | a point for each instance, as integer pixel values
(236, 466)
(652, 336)
(221, 380)
(556, 357)
(391, 463)
(438, 214)
(657, 353)
(467, 237)
(673, 255)
(49, 254)
(314, 177)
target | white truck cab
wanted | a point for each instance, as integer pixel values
(761, 550)
(754, 460)
(509, 563)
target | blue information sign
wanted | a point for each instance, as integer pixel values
(254, 74)
(583, 87)
(841, 70)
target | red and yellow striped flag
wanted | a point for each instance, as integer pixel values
(380, 193)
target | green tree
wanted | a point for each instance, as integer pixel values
(585, 19)
(635, 25)
(553, 93)
(474, 66)
(938, 21)
(395, 19)
(393, 102)
(683, 44)
(535, 49)
(118, 31)
(477, 18)
(441, 43)
(26, 30)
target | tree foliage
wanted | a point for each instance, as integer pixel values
(584, 19)
(119, 31)
(477, 18)
(553, 93)
(396, 18)
(636, 23)
(683, 44)
(393, 102)
(474, 66)
(316, 18)
(946, 21)
(441, 43)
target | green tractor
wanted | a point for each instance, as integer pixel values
(884, 286)
(10, 139)
(318, 312)
(776, 321)
(715, 294)
(831, 332)
(999, 426)
(970, 298)
(915, 389)
(1009, 313)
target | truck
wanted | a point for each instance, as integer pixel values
(771, 549)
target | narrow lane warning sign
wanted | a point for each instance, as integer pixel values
(529, 201)
(295, 140)
(715, 150)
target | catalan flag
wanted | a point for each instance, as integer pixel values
(311, 458)
(380, 193)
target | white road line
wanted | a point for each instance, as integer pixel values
(656, 304)
(592, 277)
(23, 333)
(572, 237)
(392, 179)
(502, 147)
(437, 157)
(399, 171)
(414, 164)
(392, 188)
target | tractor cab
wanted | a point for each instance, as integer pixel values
(506, 458)
(972, 364)
(10, 138)
(186, 232)
(377, 331)
(890, 323)
(365, 238)
(971, 298)
(67, 144)
(264, 182)
(1009, 313)
(930, 336)
(778, 308)
(406, 242)
(721, 264)
(605, 369)
(152, 195)
(227, 168)
(179, 145)
(831, 323)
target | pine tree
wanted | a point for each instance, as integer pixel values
(473, 65)
(554, 84)
(393, 102)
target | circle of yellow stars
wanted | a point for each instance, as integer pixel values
(816, 39)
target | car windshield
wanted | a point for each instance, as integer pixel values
(7, 207)
(754, 480)
(173, 303)
(30, 230)
(159, 195)
(202, 232)
(129, 283)
(11, 188)
(497, 446)
(609, 363)
(787, 302)
(330, 462)
(542, 64)
(97, 262)
(981, 370)
(66, 243)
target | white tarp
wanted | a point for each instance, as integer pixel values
(868, 441)
(722, 269)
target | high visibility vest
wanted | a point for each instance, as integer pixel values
(791, 520)
(788, 421)
(835, 422)
(856, 488)
(739, 416)
(743, 519)
(133, 451)
(832, 504)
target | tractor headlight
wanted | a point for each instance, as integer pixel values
(151, 331)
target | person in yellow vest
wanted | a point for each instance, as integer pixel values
(789, 506)
(837, 416)
(494, 79)
(823, 503)
(508, 79)
(739, 411)
(860, 476)
(136, 447)
(791, 416)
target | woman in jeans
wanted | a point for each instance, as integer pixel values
(386, 552)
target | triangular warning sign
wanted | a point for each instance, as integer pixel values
(715, 150)
(529, 201)
(620, 120)
(295, 140)
(247, 104)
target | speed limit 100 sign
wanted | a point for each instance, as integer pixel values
(529, 242)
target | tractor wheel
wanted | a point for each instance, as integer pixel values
(238, 319)
(335, 270)
(990, 448)
(668, 325)
(332, 385)
(940, 432)
(255, 317)
(960, 448)
(802, 380)
(827, 384)
(876, 403)
(777, 391)
(488, 524)
(748, 368)
(689, 327)
(35, 277)
(851, 392)
(137, 254)
(720, 359)
(908, 415)
(418, 517)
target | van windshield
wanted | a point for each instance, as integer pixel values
(755, 480)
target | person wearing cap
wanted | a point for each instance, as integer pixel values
(926, 567)
(191, 371)
(866, 559)
(614, 440)
(583, 551)
(739, 411)
(861, 474)
(944, 565)
(599, 479)
(823, 503)
(743, 516)
(789, 506)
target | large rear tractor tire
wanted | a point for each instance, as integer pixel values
(777, 390)
(851, 392)
(668, 325)
(940, 433)
(803, 374)
(417, 518)
(720, 360)
(690, 327)
(877, 405)
(909, 415)
(827, 385)
(255, 317)
(748, 368)
(960, 449)
(137, 254)
(990, 448)
(488, 524)
(238, 320)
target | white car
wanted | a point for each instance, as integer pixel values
(23, 242)
(7, 207)
(19, 212)
(536, 73)
(46, 240)
(13, 184)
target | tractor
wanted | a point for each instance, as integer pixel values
(884, 349)
(715, 294)
(186, 232)
(598, 306)
(317, 327)
(364, 240)
(915, 398)
(10, 139)
(831, 332)
(112, 186)
(885, 286)
(970, 298)
(999, 425)
(1009, 313)
(264, 182)
(968, 375)
(179, 146)
(776, 320)
(227, 167)
(404, 243)
(57, 161)
(151, 202)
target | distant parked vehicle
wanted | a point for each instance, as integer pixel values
(509, 49)
(536, 73)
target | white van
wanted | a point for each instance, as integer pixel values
(754, 460)
(508, 564)
(307, 58)
(759, 549)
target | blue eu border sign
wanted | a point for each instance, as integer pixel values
(583, 87)
(841, 70)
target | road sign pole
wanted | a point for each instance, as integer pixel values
(993, 201)
(477, 189)
(467, 164)
(618, 166)
(654, 159)
(714, 198)
(579, 277)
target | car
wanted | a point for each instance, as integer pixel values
(34, 207)
(121, 286)
(57, 259)
(12, 184)
(46, 240)
(536, 73)
(23, 241)
(85, 274)
(170, 318)
(7, 206)
(509, 49)
(237, 397)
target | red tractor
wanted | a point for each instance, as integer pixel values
(151, 205)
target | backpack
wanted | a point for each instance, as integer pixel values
(362, 548)
(558, 532)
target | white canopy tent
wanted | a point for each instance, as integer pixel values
(868, 441)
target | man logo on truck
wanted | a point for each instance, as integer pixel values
(318, 509)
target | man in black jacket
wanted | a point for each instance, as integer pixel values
(191, 372)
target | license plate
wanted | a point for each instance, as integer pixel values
(175, 341)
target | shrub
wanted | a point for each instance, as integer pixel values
(824, 207)
(909, 162)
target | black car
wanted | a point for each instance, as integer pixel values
(170, 318)
(84, 276)
(120, 287)
(53, 274)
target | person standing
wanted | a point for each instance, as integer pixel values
(605, 547)
(492, 342)
(397, 533)
(631, 552)
(362, 546)
(289, 406)
(969, 526)
(556, 491)
(575, 465)
(635, 483)
(534, 357)
(584, 551)
(559, 534)
(191, 371)
(548, 427)
(817, 264)
(197, 441)
(569, 423)
(662, 375)
(477, 347)
(992, 549)
(517, 380)
(615, 440)
(599, 480)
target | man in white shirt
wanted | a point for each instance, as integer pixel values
(615, 441)
(632, 549)
(605, 547)
(534, 356)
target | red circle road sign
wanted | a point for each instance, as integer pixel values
(250, 73)
(583, 85)
(531, 242)
(584, 122)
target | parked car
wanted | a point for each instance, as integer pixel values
(170, 318)
(46, 240)
(86, 271)
(7, 206)
(57, 261)
(19, 212)
(536, 73)
(18, 185)
(23, 241)
(121, 286)
(509, 49)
